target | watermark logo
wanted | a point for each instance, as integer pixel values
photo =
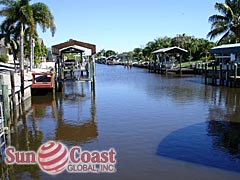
(54, 157)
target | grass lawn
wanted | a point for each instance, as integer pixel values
(187, 64)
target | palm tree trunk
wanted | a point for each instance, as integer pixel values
(31, 53)
(22, 62)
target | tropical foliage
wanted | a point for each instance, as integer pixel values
(4, 58)
(227, 23)
(106, 53)
(20, 21)
(198, 48)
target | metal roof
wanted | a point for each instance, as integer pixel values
(56, 48)
(72, 49)
(170, 50)
(226, 49)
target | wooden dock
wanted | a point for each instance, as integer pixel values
(227, 76)
(82, 70)
(158, 68)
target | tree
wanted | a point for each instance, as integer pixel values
(8, 34)
(110, 53)
(43, 17)
(4, 58)
(227, 23)
(137, 54)
(101, 53)
(20, 14)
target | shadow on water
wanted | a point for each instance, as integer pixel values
(214, 144)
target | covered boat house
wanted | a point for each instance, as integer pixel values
(165, 58)
(85, 65)
(225, 69)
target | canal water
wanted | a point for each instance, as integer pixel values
(161, 127)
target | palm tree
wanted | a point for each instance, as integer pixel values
(227, 23)
(43, 17)
(19, 13)
(10, 39)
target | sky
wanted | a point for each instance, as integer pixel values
(122, 25)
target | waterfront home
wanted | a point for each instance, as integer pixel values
(227, 54)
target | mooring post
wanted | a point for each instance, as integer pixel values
(6, 107)
(220, 75)
(180, 66)
(235, 70)
(212, 73)
(215, 74)
(235, 74)
(155, 66)
(206, 73)
(227, 74)
(13, 91)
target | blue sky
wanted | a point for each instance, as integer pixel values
(122, 25)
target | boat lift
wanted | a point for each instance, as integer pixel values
(76, 70)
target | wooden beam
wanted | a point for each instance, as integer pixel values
(58, 47)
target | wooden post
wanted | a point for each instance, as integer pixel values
(220, 75)
(227, 75)
(158, 67)
(13, 91)
(213, 64)
(215, 74)
(235, 70)
(180, 66)
(155, 63)
(22, 62)
(230, 74)
(206, 73)
(6, 107)
(235, 75)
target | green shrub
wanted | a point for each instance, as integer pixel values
(4, 58)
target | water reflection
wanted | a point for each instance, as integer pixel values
(69, 117)
(225, 105)
(25, 136)
(135, 110)
(81, 127)
(225, 135)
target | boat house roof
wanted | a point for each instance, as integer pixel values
(72, 49)
(226, 49)
(170, 50)
(73, 43)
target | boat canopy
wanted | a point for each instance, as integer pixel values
(170, 50)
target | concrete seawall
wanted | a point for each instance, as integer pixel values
(6, 80)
